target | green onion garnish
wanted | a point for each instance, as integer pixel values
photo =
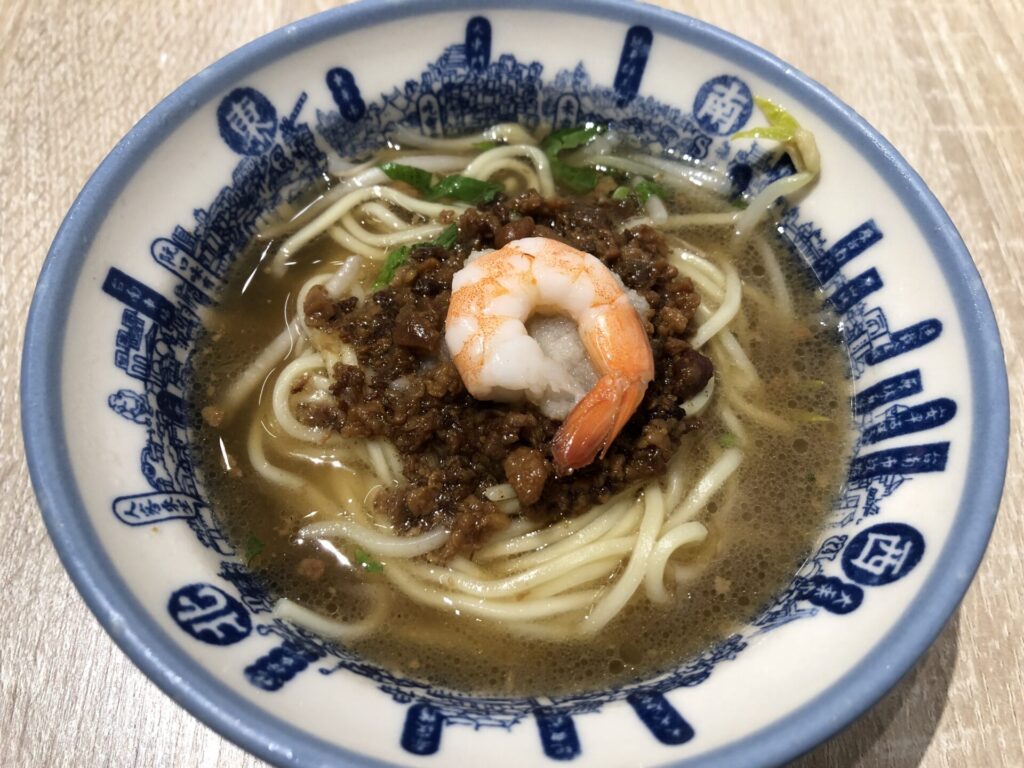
(400, 255)
(465, 189)
(369, 564)
(253, 547)
(573, 178)
(414, 177)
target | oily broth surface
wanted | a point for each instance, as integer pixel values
(758, 536)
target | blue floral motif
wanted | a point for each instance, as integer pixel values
(209, 614)
(343, 88)
(463, 91)
(467, 88)
(434, 708)
(157, 333)
(247, 121)
(754, 168)
(793, 603)
(723, 105)
(635, 52)
(249, 587)
(883, 554)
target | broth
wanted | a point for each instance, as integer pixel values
(760, 527)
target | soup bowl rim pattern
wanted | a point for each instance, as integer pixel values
(279, 742)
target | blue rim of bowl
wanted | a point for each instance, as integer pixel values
(282, 744)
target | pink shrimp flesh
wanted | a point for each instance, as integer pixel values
(492, 297)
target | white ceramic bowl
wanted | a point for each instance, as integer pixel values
(146, 246)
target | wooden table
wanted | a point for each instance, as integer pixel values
(941, 79)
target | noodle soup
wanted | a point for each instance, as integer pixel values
(432, 531)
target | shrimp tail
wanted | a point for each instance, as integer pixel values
(595, 422)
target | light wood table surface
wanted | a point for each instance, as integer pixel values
(942, 79)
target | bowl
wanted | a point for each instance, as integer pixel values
(142, 254)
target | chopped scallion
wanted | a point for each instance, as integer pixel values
(394, 260)
(571, 138)
(253, 547)
(414, 177)
(368, 563)
(400, 255)
(457, 187)
(464, 188)
(447, 238)
(645, 189)
(572, 177)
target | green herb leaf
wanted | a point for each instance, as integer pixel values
(447, 238)
(645, 188)
(394, 260)
(458, 187)
(465, 189)
(571, 138)
(400, 255)
(727, 440)
(487, 144)
(369, 564)
(415, 177)
(253, 547)
(574, 178)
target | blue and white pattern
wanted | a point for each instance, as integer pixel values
(723, 105)
(156, 335)
(883, 553)
(467, 88)
(209, 614)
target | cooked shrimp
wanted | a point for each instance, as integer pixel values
(492, 297)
